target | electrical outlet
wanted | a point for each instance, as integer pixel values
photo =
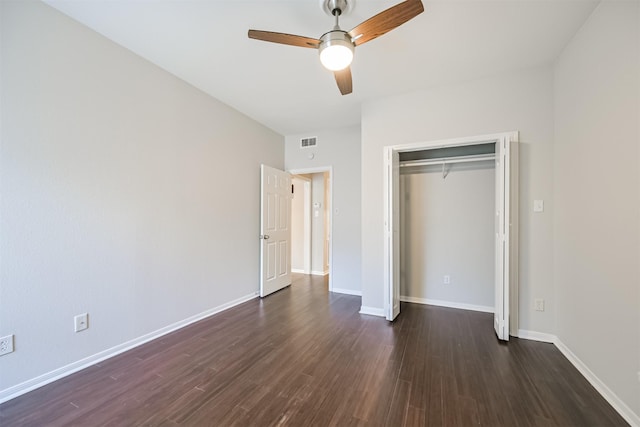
(81, 322)
(447, 279)
(6, 345)
(539, 304)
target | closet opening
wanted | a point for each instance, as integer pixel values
(451, 226)
(447, 203)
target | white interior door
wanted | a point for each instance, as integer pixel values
(392, 223)
(275, 230)
(503, 203)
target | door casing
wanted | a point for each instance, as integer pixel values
(322, 169)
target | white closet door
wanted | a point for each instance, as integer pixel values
(503, 203)
(392, 221)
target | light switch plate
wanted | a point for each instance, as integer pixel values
(538, 205)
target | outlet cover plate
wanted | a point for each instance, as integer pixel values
(81, 322)
(6, 345)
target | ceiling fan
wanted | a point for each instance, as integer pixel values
(337, 46)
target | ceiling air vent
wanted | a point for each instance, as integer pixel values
(308, 142)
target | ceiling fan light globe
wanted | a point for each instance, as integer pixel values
(336, 57)
(336, 50)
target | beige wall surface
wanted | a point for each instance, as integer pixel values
(597, 197)
(517, 102)
(447, 228)
(126, 193)
(340, 150)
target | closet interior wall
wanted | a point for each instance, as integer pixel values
(447, 247)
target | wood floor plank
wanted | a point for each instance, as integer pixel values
(305, 356)
(399, 404)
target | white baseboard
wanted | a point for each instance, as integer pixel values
(347, 291)
(319, 273)
(449, 304)
(617, 403)
(372, 311)
(49, 377)
(296, 270)
(621, 407)
(536, 336)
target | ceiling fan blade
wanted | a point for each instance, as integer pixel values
(343, 78)
(386, 21)
(283, 38)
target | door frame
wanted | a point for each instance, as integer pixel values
(323, 169)
(392, 263)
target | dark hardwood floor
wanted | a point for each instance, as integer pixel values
(304, 356)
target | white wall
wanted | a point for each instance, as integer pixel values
(326, 214)
(318, 223)
(319, 226)
(447, 228)
(297, 225)
(597, 197)
(522, 101)
(339, 149)
(126, 193)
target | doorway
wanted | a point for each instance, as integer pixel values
(506, 255)
(312, 225)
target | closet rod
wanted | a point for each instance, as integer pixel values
(448, 160)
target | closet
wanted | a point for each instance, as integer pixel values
(451, 226)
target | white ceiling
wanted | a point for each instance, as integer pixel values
(205, 43)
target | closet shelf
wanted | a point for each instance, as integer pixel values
(448, 160)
